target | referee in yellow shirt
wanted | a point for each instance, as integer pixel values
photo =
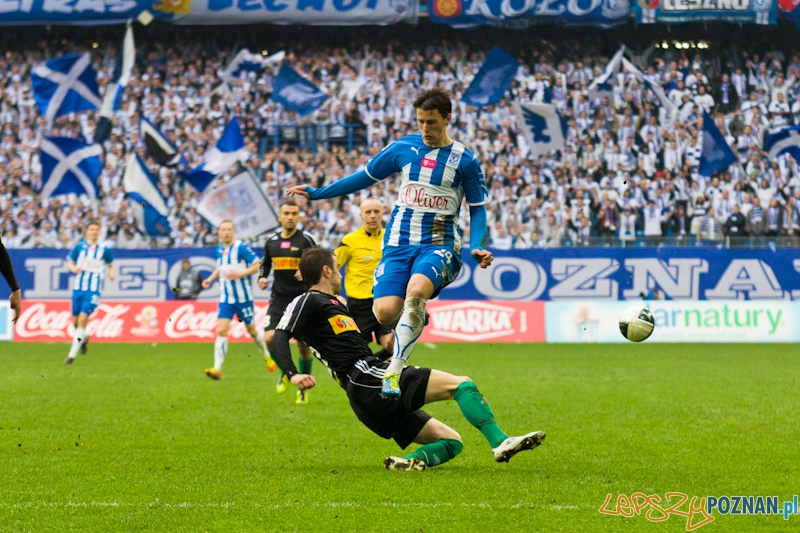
(359, 255)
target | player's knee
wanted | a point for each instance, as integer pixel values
(268, 337)
(386, 315)
(446, 432)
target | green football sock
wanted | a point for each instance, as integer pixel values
(438, 452)
(304, 366)
(478, 413)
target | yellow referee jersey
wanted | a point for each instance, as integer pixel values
(359, 253)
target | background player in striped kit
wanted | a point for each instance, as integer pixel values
(282, 253)
(422, 244)
(89, 261)
(236, 262)
(359, 254)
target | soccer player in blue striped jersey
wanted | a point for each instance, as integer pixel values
(422, 243)
(236, 262)
(89, 261)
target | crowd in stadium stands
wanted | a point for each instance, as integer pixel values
(628, 173)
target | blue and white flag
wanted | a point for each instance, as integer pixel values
(148, 204)
(296, 93)
(542, 126)
(246, 61)
(65, 85)
(654, 88)
(120, 79)
(716, 154)
(159, 147)
(492, 80)
(220, 159)
(785, 140)
(603, 85)
(69, 166)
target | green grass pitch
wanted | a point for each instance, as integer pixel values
(136, 438)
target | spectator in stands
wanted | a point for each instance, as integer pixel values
(736, 224)
(189, 283)
(756, 220)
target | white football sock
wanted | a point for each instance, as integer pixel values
(77, 341)
(406, 333)
(220, 349)
(259, 340)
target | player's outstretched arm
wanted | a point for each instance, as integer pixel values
(283, 356)
(211, 279)
(478, 236)
(252, 269)
(7, 269)
(352, 183)
(111, 272)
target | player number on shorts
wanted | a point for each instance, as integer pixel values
(446, 254)
(95, 299)
(247, 312)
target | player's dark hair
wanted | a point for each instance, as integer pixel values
(434, 98)
(311, 264)
(92, 222)
(288, 203)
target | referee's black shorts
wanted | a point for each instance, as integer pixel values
(361, 310)
(399, 419)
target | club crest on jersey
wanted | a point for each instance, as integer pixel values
(341, 323)
(286, 244)
(453, 160)
(428, 163)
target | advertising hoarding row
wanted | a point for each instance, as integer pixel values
(450, 321)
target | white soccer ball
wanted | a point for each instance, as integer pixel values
(636, 323)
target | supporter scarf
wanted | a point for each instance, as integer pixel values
(756, 214)
(773, 218)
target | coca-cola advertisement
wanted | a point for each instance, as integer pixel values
(182, 321)
(175, 321)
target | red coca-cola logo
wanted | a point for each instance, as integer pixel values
(56, 322)
(414, 195)
(186, 322)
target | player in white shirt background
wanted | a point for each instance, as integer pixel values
(89, 261)
(236, 262)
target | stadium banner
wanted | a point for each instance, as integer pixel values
(196, 321)
(579, 274)
(6, 326)
(561, 274)
(677, 321)
(311, 12)
(733, 11)
(482, 321)
(77, 12)
(525, 13)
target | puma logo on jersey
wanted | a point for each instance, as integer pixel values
(416, 149)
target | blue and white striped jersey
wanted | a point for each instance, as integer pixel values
(93, 260)
(435, 181)
(237, 256)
